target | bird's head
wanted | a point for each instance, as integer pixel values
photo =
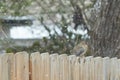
(84, 44)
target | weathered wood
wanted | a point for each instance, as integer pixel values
(22, 66)
(43, 66)
(88, 67)
(11, 67)
(4, 64)
(35, 59)
(64, 67)
(54, 67)
(98, 68)
(0, 67)
(72, 60)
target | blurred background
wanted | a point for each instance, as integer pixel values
(42, 25)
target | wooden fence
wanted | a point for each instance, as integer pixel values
(21, 66)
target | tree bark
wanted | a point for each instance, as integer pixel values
(105, 38)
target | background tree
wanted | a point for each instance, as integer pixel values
(105, 28)
(14, 7)
(105, 38)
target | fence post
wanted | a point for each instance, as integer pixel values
(72, 60)
(117, 77)
(11, 67)
(40, 66)
(119, 69)
(4, 74)
(54, 67)
(64, 67)
(0, 66)
(22, 66)
(35, 66)
(82, 68)
(76, 70)
(98, 63)
(45, 66)
(88, 68)
(113, 69)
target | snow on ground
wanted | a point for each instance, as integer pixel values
(38, 31)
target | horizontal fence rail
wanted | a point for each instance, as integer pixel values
(22, 66)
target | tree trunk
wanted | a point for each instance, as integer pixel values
(105, 38)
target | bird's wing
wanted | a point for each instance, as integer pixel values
(80, 51)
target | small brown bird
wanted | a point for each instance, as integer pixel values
(80, 49)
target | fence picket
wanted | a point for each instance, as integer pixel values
(45, 66)
(11, 67)
(4, 67)
(76, 71)
(64, 67)
(88, 67)
(0, 66)
(22, 66)
(98, 68)
(71, 61)
(54, 67)
(113, 69)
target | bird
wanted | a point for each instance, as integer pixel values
(80, 50)
(78, 18)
